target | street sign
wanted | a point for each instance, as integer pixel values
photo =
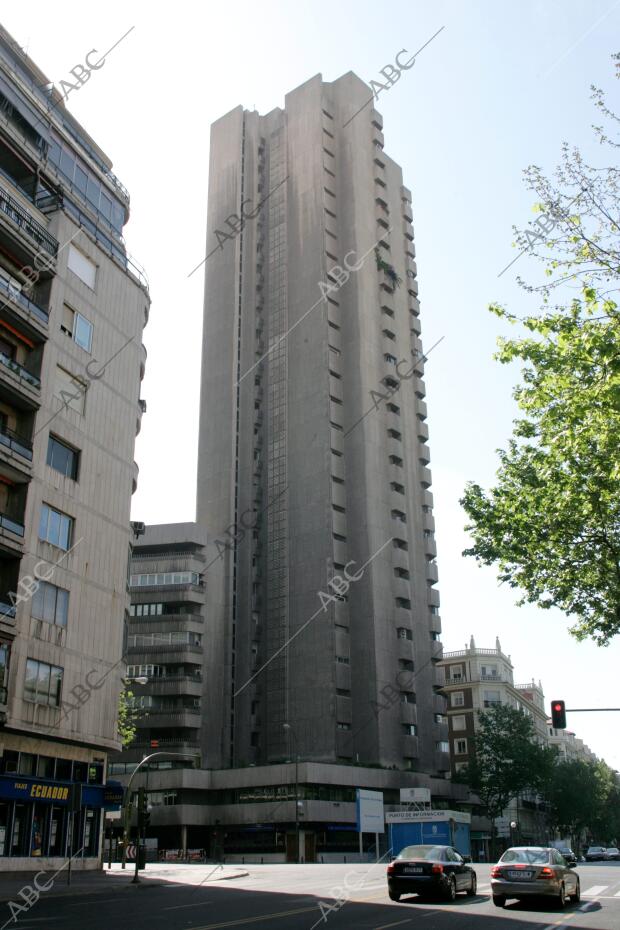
(369, 809)
(131, 852)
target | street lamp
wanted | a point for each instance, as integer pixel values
(126, 814)
(291, 732)
(513, 827)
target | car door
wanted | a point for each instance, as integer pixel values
(458, 866)
(564, 873)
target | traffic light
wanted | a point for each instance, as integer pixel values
(144, 814)
(558, 715)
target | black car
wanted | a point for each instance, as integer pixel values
(568, 854)
(438, 871)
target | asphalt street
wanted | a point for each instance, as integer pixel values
(307, 897)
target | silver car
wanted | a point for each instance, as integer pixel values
(527, 871)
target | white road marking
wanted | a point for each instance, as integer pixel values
(177, 907)
(594, 890)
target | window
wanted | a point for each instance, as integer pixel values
(396, 460)
(459, 722)
(399, 515)
(43, 683)
(50, 603)
(343, 726)
(457, 699)
(165, 578)
(491, 698)
(82, 266)
(460, 747)
(489, 671)
(460, 766)
(403, 633)
(442, 746)
(400, 544)
(407, 697)
(456, 673)
(401, 573)
(403, 602)
(55, 527)
(405, 665)
(343, 660)
(390, 359)
(410, 729)
(83, 332)
(394, 434)
(62, 457)
(70, 390)
(398, 488)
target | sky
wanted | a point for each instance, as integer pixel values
(501, 87)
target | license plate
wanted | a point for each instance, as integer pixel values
(522, 873)
(413, 870)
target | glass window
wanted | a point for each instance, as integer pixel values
(83, 332)
(458, 722)
(43, 683)
(55, 527)
(62, 457)
(458, 699)
(80, 179)
(50, 603)
(82, 266)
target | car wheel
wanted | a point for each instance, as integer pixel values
(474, 885)
(576, 898)
(561, 898)
(499, 900)
(394, 896)
(451, 889)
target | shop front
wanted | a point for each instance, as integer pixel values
(50, 819)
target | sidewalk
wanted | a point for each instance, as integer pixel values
(115, 879)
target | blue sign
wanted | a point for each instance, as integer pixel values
(46, 791)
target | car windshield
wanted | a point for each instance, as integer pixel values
(421, 852)
(527, 856)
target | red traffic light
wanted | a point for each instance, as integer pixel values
(558, 715)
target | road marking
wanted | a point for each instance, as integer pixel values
(617, 894)
(253, 920)
(595, 889)
(397, 923)
(177, 907)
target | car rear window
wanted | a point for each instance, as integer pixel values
(421, 852)
(526, 856)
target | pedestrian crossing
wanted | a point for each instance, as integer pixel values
(594, 891)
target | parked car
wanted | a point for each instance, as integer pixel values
(612, 852)
(430, 870)
(527, 871)
(568, 854)
(595, 853)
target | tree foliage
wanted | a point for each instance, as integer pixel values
(506, 758)
(127, 716)
(551, 524)
(582, 798)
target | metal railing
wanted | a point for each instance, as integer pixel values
(20, 371)
(15, 293)
(17, 443)
(6, 523)
(27, 223)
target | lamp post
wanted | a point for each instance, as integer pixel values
(127, 804)
(513, 827)
(291, 732)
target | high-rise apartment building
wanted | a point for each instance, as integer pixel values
(72, 310)
(313, 475)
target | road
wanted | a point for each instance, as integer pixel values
(306, 897)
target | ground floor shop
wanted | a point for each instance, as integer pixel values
(52, 801)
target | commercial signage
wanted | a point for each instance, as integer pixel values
(369, 810)
(21, 788)
(427, 816)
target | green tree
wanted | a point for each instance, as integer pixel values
(127, 716)
(551, 524)
(506, 759)
(579, 795)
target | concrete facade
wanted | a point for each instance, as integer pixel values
(313, 454)
(72, 310)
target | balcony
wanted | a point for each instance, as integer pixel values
(19, 381)
(134, 476)
(432, 575)
(26, 236)
(181, 717)
(18, 445)
(11, 535)
(29, 313)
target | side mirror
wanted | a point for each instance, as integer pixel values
(571, 865)
(466, 858)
